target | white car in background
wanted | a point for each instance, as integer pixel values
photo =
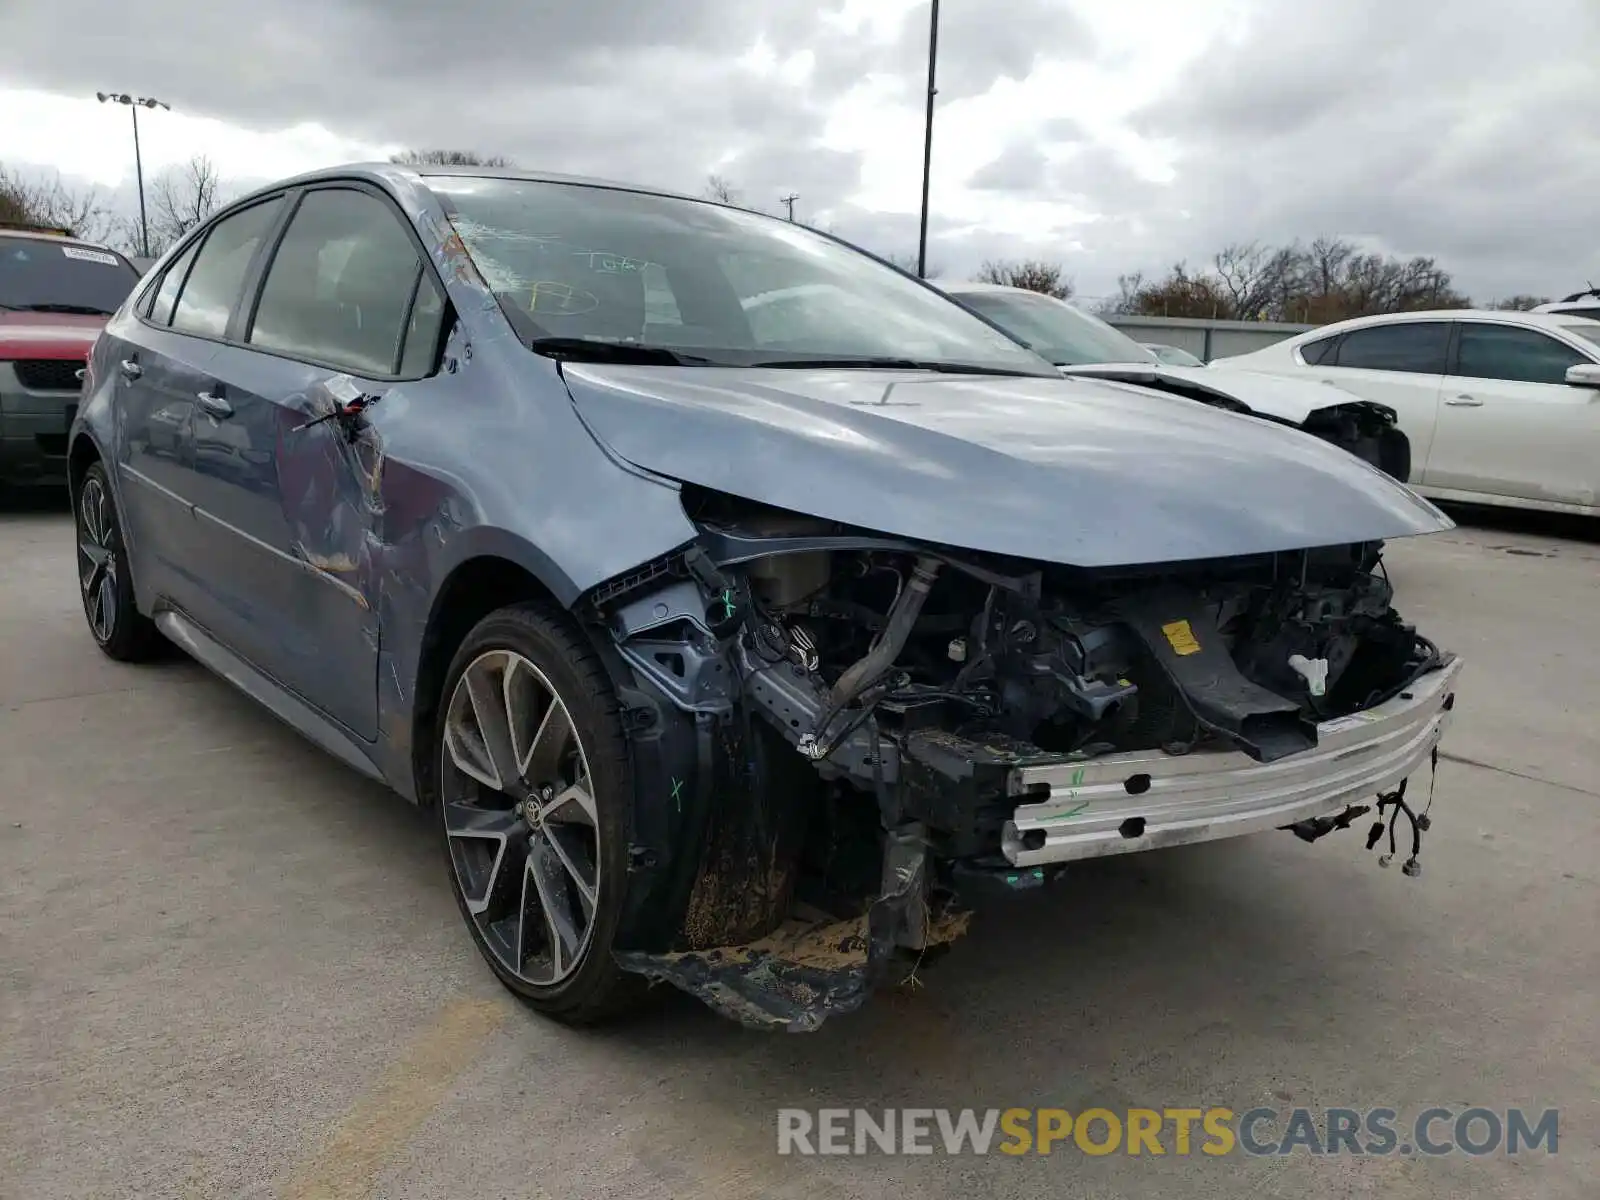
(1081, 344)
(1580, 304)
(1500, 407)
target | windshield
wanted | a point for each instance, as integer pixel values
(1056, 330)
(49, 275)
(727, 288)
(1172, 355)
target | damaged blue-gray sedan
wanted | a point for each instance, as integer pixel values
(743, 606)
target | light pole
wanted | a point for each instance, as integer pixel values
(135, 103)
(927, 140)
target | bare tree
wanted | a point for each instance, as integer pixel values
(181, 198)
(1328, 280)
(1036, 275)
(720, 189)
(450, 158)
(907, 262)
(50, 202)
(1520, 303)
(1255, 279)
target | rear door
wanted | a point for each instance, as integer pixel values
(1509, 424)
(1401, 365)
(160, 379)
(345, 308)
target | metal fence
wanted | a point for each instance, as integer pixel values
(1206, 339)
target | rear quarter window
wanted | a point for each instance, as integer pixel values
(1312, 353)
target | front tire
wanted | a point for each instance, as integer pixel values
(104, 581)
(535, 808)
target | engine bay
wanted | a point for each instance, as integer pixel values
(934, 696)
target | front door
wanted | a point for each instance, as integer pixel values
(1510, 425)
(1400, 364)
(292, 505)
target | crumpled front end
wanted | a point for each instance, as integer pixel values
(885, 731)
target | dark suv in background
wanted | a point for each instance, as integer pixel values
(56, 292)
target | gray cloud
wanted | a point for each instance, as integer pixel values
(621, 87)
(1460, 131)
(1020, 167)
(1457, 132)
(978, 44)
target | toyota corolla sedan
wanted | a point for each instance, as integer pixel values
(734, 646)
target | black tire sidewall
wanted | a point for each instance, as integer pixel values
(559, 650)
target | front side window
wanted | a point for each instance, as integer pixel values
(341, 284)
(55, 275)
(1510, 353)
(716, 284)
(1056, 330)
(212, 288)
(1410, 346)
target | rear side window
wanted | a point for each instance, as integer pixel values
(340, 287)
(160, 311)
(208, 295)
(1313, 353)
(1519, 355)
(1412, 346)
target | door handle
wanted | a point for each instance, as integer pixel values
(215, 405)
(130, 369)
(1464, 402)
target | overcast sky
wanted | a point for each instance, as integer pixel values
(1112, 135)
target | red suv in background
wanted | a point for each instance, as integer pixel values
(55, 295)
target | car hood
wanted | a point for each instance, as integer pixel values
(1291, 400)
(1076, 471)
(48, 335)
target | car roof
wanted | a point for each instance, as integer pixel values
(378, 172)
(974, 286)
(50, 235)
(1530, 320)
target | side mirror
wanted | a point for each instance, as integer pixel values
(1586, 375)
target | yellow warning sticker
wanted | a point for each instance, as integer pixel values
(1181, 638)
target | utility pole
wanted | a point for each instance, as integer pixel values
(927, 140)
(135, 103)
(788, 202)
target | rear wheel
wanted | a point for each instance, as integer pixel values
(535, 807)
(106, 586)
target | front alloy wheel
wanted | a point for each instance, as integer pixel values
(531, 772)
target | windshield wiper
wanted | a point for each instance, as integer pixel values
(577, 349)
(875, 362)
(88, 310)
